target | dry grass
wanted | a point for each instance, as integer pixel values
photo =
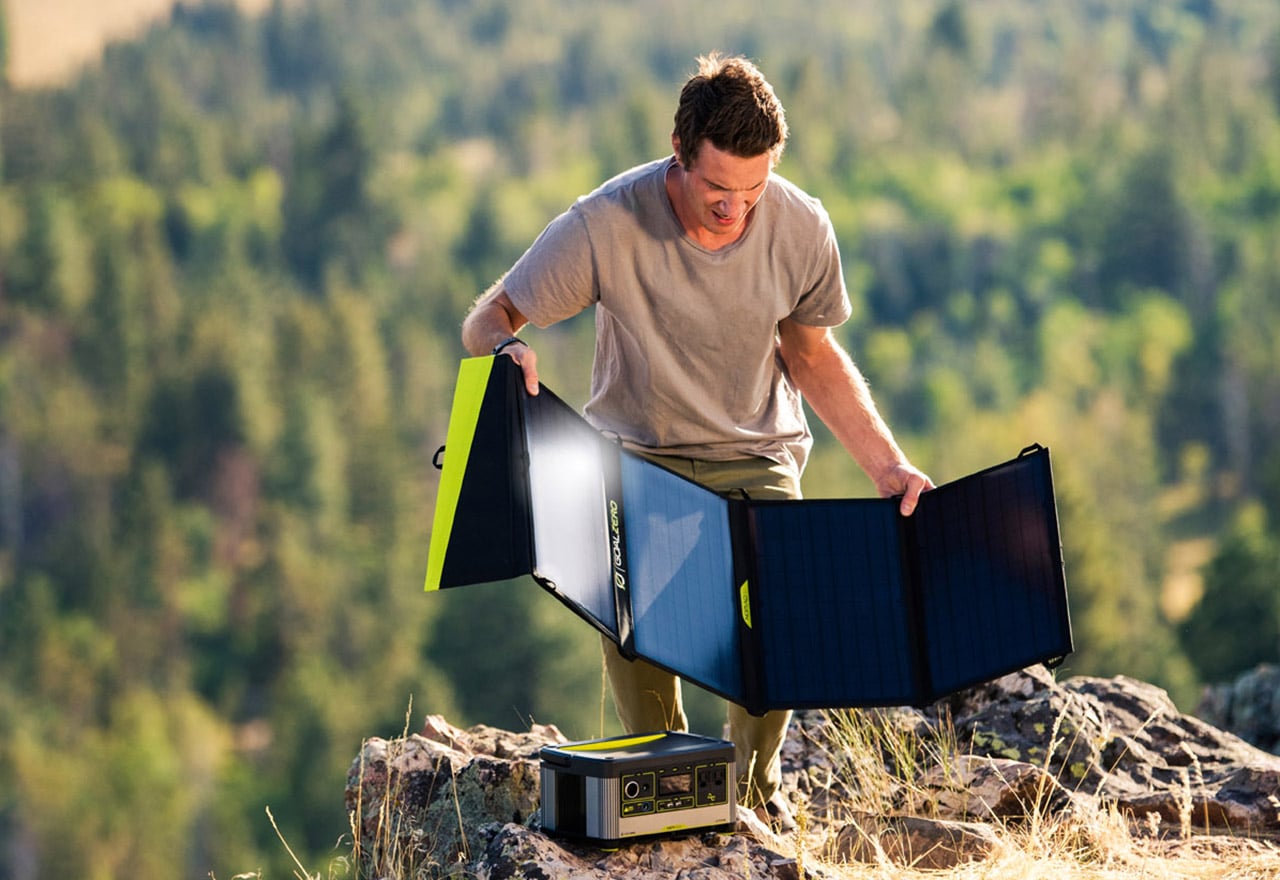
(1122, 858)
(878, 756)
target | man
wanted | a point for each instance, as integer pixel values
(716, 284)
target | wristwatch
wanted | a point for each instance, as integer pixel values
(510, 340)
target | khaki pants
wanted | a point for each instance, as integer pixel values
(647, 698)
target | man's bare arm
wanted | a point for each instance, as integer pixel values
(838, 393)
(492, 319)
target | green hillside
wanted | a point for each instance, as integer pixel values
(234, 256)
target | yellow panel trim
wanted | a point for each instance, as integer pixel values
(468, 395)
(605, 745)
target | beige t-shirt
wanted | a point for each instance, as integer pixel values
(686, 359)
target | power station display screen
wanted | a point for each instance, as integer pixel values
(681, 783)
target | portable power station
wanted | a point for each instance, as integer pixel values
(613, 790)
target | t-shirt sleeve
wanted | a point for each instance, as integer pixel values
(555, 279)
(825, 301)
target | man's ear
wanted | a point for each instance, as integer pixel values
(675, 148)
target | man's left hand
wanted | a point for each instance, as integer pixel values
(907, 481)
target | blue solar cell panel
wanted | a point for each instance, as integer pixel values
(567, 506)
(830, 604)
(681, 557)
(990, 574)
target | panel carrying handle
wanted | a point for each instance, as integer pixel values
(1030, 450)
(436, 459)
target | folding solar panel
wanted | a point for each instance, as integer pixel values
(772, 604)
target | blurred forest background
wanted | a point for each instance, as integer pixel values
(235, 252)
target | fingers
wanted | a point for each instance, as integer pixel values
(911, 497)
(527, 358)
(916, 484)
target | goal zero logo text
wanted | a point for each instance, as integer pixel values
(615, 540)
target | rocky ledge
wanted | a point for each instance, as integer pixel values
(926, 788)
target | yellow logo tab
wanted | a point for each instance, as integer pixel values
(618, 742)
(745, 600)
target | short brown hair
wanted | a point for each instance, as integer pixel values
(729, 103)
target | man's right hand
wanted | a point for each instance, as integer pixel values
(527, 358)
(494, 319)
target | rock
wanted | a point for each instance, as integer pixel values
(448, 800)
(519, 852)
(1016, 687)
(417, 797)
(925, 788)
(915, 842)
(988, 788)
(1248, 707)
(1123, 742)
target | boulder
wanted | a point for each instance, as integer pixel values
(420, 799)
(1248, 707)
(1122, 742)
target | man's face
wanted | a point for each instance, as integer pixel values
(718, 191)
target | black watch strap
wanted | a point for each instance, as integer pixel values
(510, 340)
